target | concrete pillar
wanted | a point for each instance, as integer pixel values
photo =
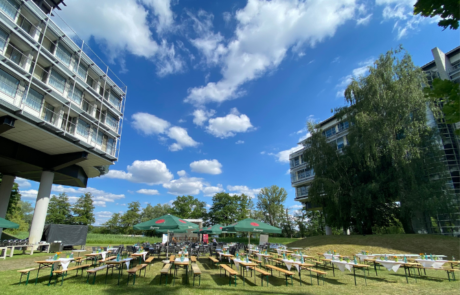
(442, 63)
(328, 231)
(5, 192)
(41, 207)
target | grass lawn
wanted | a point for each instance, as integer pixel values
(211, 283)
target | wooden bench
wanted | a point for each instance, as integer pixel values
(172, 258)
(134, 270)
(102, 261)
(231, 273)
(165, 271)
(149, 260)
(62, 272)
(255, 261)
(262, 274)
(94, 271)
(214, 261)
(448, 271)
(319, 273)
(287, 273)
(193, 259)
(26, 271)
(196, 273)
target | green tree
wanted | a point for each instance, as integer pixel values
(447, 94)
(83, 210)
(131, 217)
(151, 212)
(112, 225)
(270, 201)
(223, 210)
(27, 211)
(188, 207)
(447, 10)
(59, 210)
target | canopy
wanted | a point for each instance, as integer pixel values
(174, 231)
(166, 222)
(252, 226)
(7, 224)
(216, 229)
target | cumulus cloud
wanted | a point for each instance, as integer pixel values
(182, 139)
(100, 197)
(151, 192)
(181, 173)
(207, 166)
(229, 125)
(148, 172)
(29, 194)
(184, 186)
(210, 191)
(283, 156)
(355, 73)
(239, 142)
(201, 116)
(265, 32)
(23, 183)
(242, 189)
(122, 26)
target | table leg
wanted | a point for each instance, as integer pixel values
(120, 269)
(12, 251)
(354, 275)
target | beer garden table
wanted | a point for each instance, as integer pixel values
(244, 264)
(178, 262)
(120, 266)
(298, 265)
(52, 263)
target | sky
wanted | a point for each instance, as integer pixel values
(220, 92)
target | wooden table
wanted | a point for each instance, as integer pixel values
(229, 256)
(120, 266)
(179, 263)
(298, 265)
(139, 255)
(245, 264)
(45, 264)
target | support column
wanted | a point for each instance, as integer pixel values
(328, 231)
(5, 192)
(41, 207)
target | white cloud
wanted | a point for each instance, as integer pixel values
(201, 116)
(265, 32)
(122, 26)
(184, 186)
(151, 192)
(242, 189)
(297, 206)
(355, 73)
(103, 214)
(100, 197)
(240, 142)
(283, 156)
(364, 20)
(207, 166)
(148, 172)
(149, 124)
(30, 194)
(181, 136)
(181, 173)
(23, 183)
(210, 191)
(227, 126)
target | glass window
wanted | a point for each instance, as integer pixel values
(83, 128)
(343, 126)
(115, 101)
(26, 25)
(63, 54)
(15, 55)
(89, 80)
(10, 7)
(34, 100)
(97, 139)
(296, 161)
(57, 81)
(48, 113)
(111, 121)
(8, 84)
(82, 71)
(329, 132)
(293, 177)
(340, 143)
(3, 37)
(302, 190)
(110, 146)
(76, 96)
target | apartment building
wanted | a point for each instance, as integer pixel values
(444, 66)
(61, 108)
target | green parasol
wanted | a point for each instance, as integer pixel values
(250, 225)
(216, 229)
(7, 224)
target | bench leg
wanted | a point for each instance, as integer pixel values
(94, 278)
(365, 279)
(134, 279)
(20, 279)
(106, 273)
(62, 278)
(448, 275)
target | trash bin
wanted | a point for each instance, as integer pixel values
(57, 246)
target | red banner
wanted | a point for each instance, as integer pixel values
(205, 238)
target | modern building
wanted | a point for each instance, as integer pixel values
(444, 66)
(61, 111)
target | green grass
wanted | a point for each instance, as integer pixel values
(104, 239)
(211, 283)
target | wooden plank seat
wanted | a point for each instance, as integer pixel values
(318, 273)
(231, 273)
(24, 272)
(255, 261)
(102, 261)
(214, 261)
(94, 271)
(165, 271)
(133, 271)
(62, 272)
(149, 260)
(287, 273)
(196, 273)
(263, 274)
(193, 259)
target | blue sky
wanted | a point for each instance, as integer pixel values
(219, 92)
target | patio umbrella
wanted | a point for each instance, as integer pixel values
(166, 223)
(250, 225)
(216, 229)
(7, 224)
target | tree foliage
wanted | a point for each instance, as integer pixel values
(447, 10)
(151, 212)
(188, 207)
(84, 210)
(227, 209)
(59, 210)
(270, 200)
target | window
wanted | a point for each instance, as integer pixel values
(343, 126)
(83, 128)
(57, 81)
(9, 7)
(115, 101)
(34, 100)
(48, 113)
(111, 121)
(82, 71)
(26, 25)
(76, 95)
(340, 143)
(3, 37)
(8, 84)
(110, 146)
(97, 139)
(329, 132)
(87, 107)
(303, 173)
(63, 54)
(89, 81)
(14, 54)
(302, 190)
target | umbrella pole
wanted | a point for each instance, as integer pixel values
(249, 238)
(167, 245)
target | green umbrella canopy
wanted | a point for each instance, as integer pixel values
(216, 229)
(7, 224)
(166, 222)
(201, 231)
(252, 225)
(171, 231)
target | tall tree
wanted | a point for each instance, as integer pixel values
(270, 201)
(112, 225)
(151, 212)
(131, 217)
(225, 209)
(447, 10)
(27, 211)
(188, 207)
(83, 210)
(59, 210)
